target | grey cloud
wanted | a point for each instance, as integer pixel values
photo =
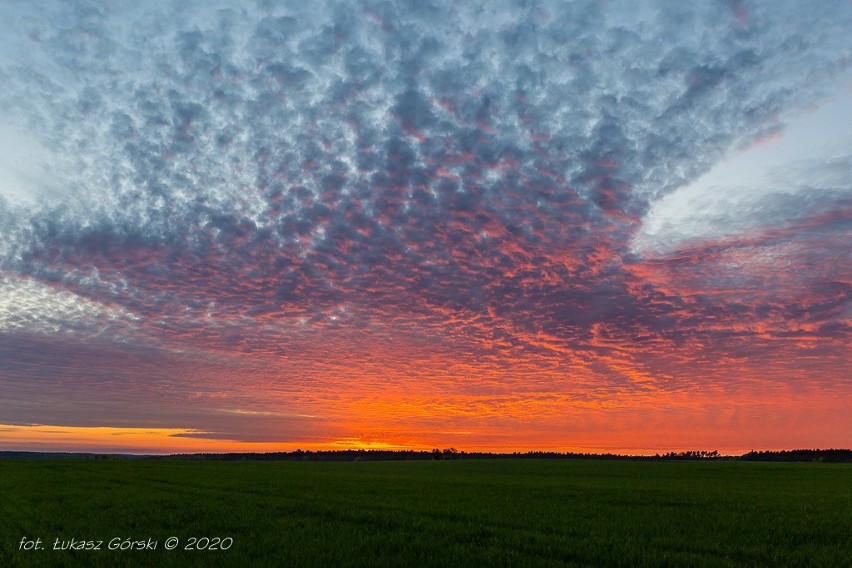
(382, 153)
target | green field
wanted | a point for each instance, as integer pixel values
(430, 513)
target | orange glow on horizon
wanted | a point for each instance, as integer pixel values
(386, 389)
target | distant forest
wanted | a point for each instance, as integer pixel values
(828, 456)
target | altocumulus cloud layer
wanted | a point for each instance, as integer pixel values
(370, 220)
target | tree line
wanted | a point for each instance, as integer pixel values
(436, 454)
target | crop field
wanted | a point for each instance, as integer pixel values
(424, 513)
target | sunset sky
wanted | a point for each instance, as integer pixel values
(572, 226)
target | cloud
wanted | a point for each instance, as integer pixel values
(799, 172)
(27, 305)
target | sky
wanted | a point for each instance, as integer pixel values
(570, 226)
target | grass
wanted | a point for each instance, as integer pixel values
(445, 513)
